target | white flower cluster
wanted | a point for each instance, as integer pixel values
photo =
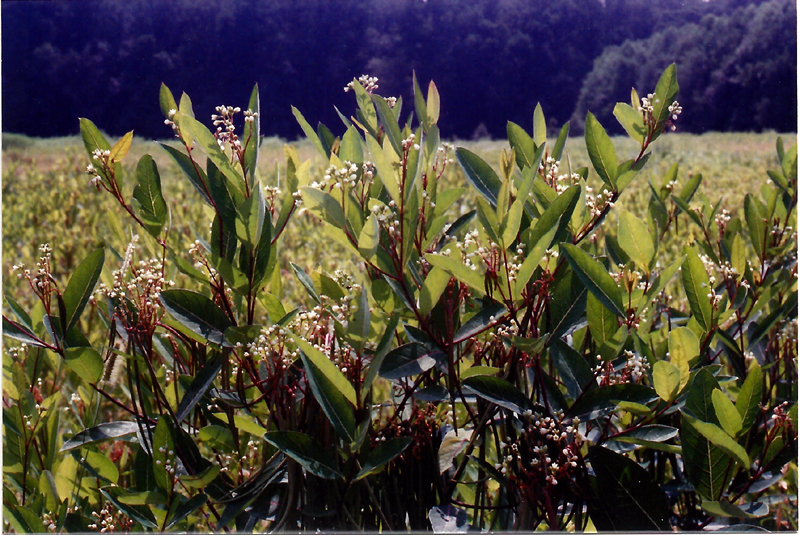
(225, 133)
(370, 83)
(597, 203)
(632, 371)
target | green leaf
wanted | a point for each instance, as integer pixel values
(163, 452)
(626, 496)
(539, 126)
(389, 123)
(200, 385)
(381, 351)
(325, 205)
(500, 392)
(152, 209)
(139, 513)
(631, 121)
(307, 451)
(100, 432)
(690, 188)
(432, 289)
(600, 401)
(561, 142)
(250, 218)
(697, 286)
(197, 313)
(522, 144)
(433, 103)
(603, 323)
(706, 464)
(193, 172)
(22, 519)
(186, 508)
(534, 255)
(510, 225)
(166, 101)
(86, 362)
(729, 510)
(252, 136)
(382, 455)
(756, 225)
(729, 418)
(480, 174)
(684, 351)
(310, 133)
(121, 148)
(459, 270)
(747, 402)
(601, 151)
(667, 380)
(327, 369)
(100, 465)
(409, 359)
(419, 104)
(568, 304)
(719, 438)
(572, 368)
(384, 165)
(92, 138)
(635, 240)
(653, 433)
(306, 281)
(596, 278)
(664, 96)
(366, 108)
(485, 318)
(208, 144)
(81, 285)
(20, 333)
(350, 148)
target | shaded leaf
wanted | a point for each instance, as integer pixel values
(596, 278)
(697, 286)
(81, 285)
(452, 443)
(729, 418)
(484, 319)
(307, 451)
(409, 359)
(719, 439)
(100, 432)
(152, 209)
(500, 392)
(86, 362)
(382, 455)
(197, 313)
(627, 498)
(200, 385)
(480, 174)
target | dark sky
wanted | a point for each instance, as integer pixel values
(492, 60)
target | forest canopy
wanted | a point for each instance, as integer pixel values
(737, 59)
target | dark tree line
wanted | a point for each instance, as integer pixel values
(491, 59)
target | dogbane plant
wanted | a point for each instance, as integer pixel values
(513, 367)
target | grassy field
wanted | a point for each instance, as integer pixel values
(47, 197)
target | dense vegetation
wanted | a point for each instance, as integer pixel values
(395, 334)
(738, 59)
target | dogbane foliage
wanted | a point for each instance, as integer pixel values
(510, 367)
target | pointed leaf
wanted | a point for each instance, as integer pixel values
(197, 313)
(409, 359)
(635, 240)
(720, 439)
(389, 123)
(480, 174)
(667, 380)
(311, 455)
(86, 362)
(200, 385)
(697, 286)
(596, 278)
(522, 144)
(251, 139)
(20, 333)
(629, 499)
(327, 369)
(500, 392)
(147, 192)
(749, 397)
(382, 455)
(484, 319)
(539, 126)
(459, 270)
(81, 285)
(729, 510)
(100, 432)
(601, 151)
(433, 103)
(310, 133)
(729, 418)
(121, 147)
